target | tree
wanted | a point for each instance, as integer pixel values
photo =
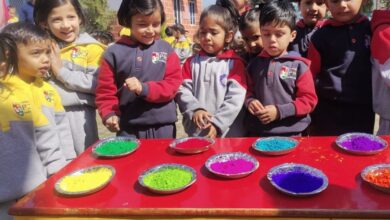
(97, 15)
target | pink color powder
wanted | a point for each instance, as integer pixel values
(232, 166)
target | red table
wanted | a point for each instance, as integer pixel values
(212, 197)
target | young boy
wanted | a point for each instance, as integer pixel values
(340, 55)
(282, 95)
(380, 53)
(181, 44)
(312, 11)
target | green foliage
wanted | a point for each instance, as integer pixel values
(97, 15)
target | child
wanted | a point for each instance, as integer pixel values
(181, 44)
(250, 30)
(13, 17)
(30, 148)
(74, 67)
(312, 11)
(214, 86)
(283, 93)
(340, 55)
(380, 52)
(139, 76)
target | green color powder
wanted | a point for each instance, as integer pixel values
(116, 147)
(168, 179)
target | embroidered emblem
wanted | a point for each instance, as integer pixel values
(159, 57)
(283, 72)
(223, 79)
(74, 53)
(77, 53)
(21, 108)
(48, 95)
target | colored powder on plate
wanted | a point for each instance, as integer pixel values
(362, 143)
(168, 179)
(193, 143)
(297, 182)
(380, 177)
(232, 166)
(116, 147)
(86, 181)
(274, 145)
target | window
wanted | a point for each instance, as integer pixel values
(192, 11)
(176, 5)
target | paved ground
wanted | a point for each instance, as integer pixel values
(103, 132)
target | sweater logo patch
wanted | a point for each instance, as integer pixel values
(77, 53)
(48, 95)
(288, 73)
(159, 57)
(21, 108)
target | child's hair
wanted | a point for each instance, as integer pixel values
(103, 37)
(169, 31)
(249, 18)
(42, 9)
(129, 8)
(278, 12)
(26, 33)
(8, 53)
(180, 28)
(225, 14)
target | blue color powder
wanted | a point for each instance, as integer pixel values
(274, 144)
(297, 182)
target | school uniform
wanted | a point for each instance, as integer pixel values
(151, 114)
(216, 84)
(287, 83)
(380, 54)
(76, 84)
(30, 147)
(182, 47)
(340, 55)
(303, 37)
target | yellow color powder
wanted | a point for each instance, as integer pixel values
(87, 181)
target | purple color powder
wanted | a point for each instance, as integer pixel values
(297, 182)
(232, 166)
(361, 143)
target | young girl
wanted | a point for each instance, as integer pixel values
(250, 30)
(74, 66)
(30, 145)
(139, 76)
(181, 44)
(214, 86)
(312, 11)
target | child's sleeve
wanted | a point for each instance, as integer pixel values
(64, 129)
(380, 47)
(185, 97)
(107, 101)
(48, 144)
(164, 90)
(83, 81)
(306, 97)
(234, 99)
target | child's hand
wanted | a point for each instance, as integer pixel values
(134, 85)
(202, 119)
(112, 123)
(212, 132)
(255, 107)
(55, 59)
(269, 114)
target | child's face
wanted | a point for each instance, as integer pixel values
(344, 11)
(64, 23)
(33, 59)
(276, 38)
(145, 29)
(252, 38)
(212, 37)
(12, 12)
(312, 11)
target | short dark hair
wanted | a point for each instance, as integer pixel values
(280, 12)
(8, 53)
(129, 8)
(104, 37)
(42, 9)
(26, 33)
(248, 18)
(180, 28)
(225, 12)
